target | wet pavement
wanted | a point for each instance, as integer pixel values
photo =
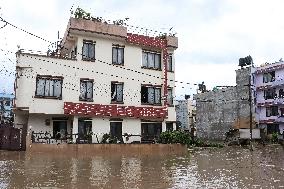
(230, 167)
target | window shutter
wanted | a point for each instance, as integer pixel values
(89, 90)
(151, 60)
(120, 55)
(119, 88)
(144, 59)
(151, 94)
(40, 87)
(57, 88)
(114, 55)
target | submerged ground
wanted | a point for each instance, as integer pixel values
(230, 167)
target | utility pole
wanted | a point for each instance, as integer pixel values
(250, 112)
(248, 61)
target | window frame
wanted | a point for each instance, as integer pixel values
(8, 103)
(89, 42)
(154, 55)
(271, 130)
(86, 80)
(118, 47)
(172, 99)
(115, 83)
(272, 110)
(145, 130)
(265, 79)
(48, 77)
(170, 63)
(281, 112)
(85, 127)
(154, 95)
(281, 93)
(169, 126)
(112, 124)
(271, 91)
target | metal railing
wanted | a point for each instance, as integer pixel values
(91, 138)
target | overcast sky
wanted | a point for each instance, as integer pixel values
(213, 34)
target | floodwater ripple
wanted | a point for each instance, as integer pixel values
(233, 167)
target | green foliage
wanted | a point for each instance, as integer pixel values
(113, 140)
(172, 137)
(80, 13)
(105, 137)
(274, 137)
(88, 137)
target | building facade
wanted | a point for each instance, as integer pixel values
(186, 112)
(6, 104)
(226, 108)
(103, 80)
(269, 96)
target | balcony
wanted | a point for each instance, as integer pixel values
(279, 101)
(278, 83)
(279, 120)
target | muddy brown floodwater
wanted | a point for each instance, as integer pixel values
(232, 167)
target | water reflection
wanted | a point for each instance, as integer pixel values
(210, 168)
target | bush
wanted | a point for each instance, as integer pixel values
(106, 136)
(173, 137)
(274, 137)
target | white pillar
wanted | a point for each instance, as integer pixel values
(75, 128)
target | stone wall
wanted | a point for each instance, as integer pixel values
(220, 110)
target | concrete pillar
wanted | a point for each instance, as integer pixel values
(164, 128)
(75, 128)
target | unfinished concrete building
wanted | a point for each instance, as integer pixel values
(222, 109)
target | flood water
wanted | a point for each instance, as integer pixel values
(230, 167)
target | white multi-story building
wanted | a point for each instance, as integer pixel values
(112, 82)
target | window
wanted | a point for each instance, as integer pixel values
(272, 111)
(88, 50)
(269, 77)
(7, 103)
(116, 130)
(116, 92)
(270, 94)
(281, 93)
(150, 95)
(272, 128)
(170, 96)
(282, 112)
(170, 63)
(86, 90)
(59, 129)
(150, 131)
(49, 86)
(151, 60)
(84, 128)
(118, 55)
(74, 53)
(169, 127)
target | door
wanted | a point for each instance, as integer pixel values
(60, 129)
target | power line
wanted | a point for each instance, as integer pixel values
(181, 82)
(2, 20)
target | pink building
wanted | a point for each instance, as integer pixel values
(269, 92)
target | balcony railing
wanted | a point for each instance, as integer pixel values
(48, 138)
(279, 120)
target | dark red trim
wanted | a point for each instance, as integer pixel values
(99, 110)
